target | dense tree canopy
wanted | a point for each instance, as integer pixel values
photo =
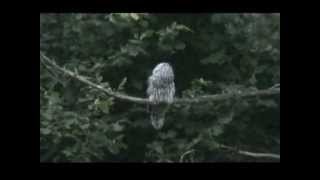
(210, 54)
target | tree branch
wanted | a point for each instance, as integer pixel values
(246, 153)
(221, 97)
(86, 81)
(252, 154)
(218, 97)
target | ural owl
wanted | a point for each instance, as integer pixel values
(161, 90)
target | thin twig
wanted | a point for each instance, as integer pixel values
(205, 98)
(186, 153)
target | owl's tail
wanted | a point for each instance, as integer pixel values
(157, 120)
(157, 116)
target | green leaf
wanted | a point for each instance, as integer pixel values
(117, 127)
(217, 58)
(82, 67)
(99, 78)
(146, 34)
(135, 16)
(67, 153)
(268, 103)
(69, 122)
(158, 149)
(124, 15)
(54, 98)
(212, 145)
(183, 27)
(47, 115)
(113, 18)
(169, 135)
(114, 149)
(104, 107)
(85, 126)
(180, 46)
(226, 119)
(45, 131)
(135, 41)
(133, 52)
(217, 130)
(253, 80)
(44, 123)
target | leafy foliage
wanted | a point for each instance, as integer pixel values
(210, 53)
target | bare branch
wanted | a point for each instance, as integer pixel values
(252, 154)
(218, 97)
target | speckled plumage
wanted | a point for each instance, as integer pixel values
(161, 90)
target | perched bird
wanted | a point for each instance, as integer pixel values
(161, 90)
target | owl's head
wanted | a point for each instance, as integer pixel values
(163, 68)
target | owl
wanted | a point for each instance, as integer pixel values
(160, 91)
